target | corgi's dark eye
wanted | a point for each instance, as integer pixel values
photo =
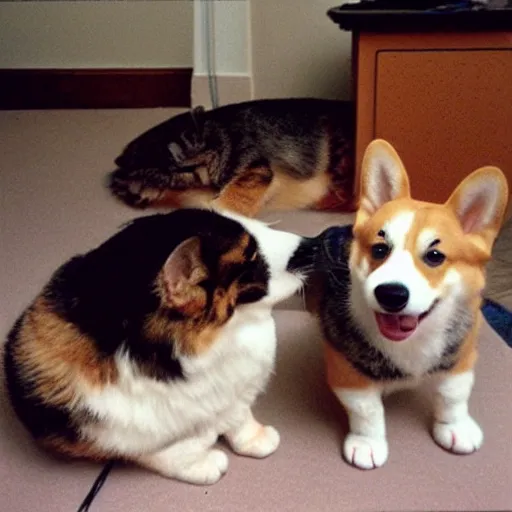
(434, 258)
(380, 251)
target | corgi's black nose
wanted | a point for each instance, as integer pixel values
(392, 297)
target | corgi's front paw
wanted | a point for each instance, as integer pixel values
(365, 452)
(462, 437)
(263, 443)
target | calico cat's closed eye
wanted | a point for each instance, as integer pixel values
(251, 293)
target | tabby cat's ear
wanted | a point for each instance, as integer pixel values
(198, 118)
(182, 272)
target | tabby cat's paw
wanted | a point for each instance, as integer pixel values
(365, 452)
(132, 191)
(462, 437)
(262, 444)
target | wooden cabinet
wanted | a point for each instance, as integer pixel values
(444, 100)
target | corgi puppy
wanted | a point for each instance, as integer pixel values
(400, 302)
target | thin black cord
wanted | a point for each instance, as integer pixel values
(96, 486)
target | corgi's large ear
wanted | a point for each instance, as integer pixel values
(480, 202)
(182, 272)
(383, 178)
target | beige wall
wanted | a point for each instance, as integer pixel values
(298, 51)
(293, 50)
(96, 34)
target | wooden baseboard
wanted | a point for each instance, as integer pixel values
(94, 88)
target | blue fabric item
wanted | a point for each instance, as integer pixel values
(499, 318)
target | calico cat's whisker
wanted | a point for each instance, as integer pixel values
(302, 292)
(273, 223)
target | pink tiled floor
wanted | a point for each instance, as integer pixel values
(53, 205)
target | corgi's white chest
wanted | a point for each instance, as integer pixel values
(138, 414)
(418, 355)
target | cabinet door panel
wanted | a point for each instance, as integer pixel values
(446, 112)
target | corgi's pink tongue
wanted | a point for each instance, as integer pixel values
(396, 327)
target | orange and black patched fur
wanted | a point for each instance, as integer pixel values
(152, 345)
(398, 300)
(248, 157)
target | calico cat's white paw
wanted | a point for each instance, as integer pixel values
(206, 470)
(365, 452)
(263, 443)
(463, 436)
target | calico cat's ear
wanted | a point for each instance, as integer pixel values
(182, 272)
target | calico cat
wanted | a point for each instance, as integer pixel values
(149, 347)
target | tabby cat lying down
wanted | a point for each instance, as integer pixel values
(248, 157)
(149, 347)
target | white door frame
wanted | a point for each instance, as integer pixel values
(222, 29)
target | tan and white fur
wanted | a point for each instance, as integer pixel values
(440, 286)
